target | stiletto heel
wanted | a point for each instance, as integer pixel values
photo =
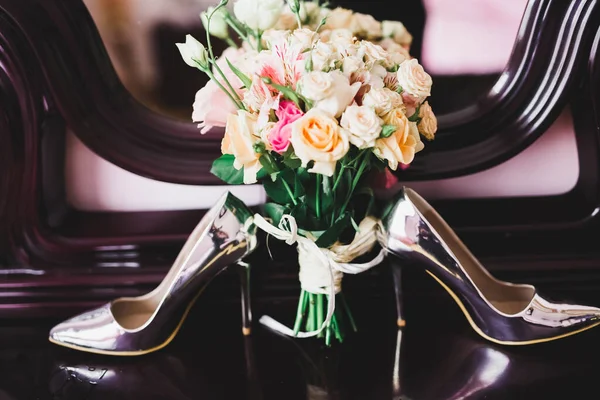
(397, 276)
(502, 312)
(244, 271)
(132, 326)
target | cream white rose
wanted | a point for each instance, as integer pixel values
(363, 125)
(258, 14)
(351, 65)
(414, 80)
(239, 141)
(329, 91)
(428, 124)
(396, 54)
(316, 136)
(373, 53)
(303, 38)
(218, 26)
(382, 100)
(287, 21)
(398, 148)
(309, 12)
(414, 132)
(323, 56)
(397, 32)
(365, 26)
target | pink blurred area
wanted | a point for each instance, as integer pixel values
(469, 36)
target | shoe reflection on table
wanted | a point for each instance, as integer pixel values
(467, 367)
(161, 375)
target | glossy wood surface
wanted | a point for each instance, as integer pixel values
(440, 358)
(55, 73)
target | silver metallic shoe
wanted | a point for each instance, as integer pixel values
(502, 312)
(131, 326)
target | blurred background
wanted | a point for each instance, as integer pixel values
(463, 44)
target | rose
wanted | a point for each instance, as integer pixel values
(304, 38)
(363, 125)
(396, 54)
(414, 80)
(382, 100)
(399, 147)
(428, 124)
(373, 53)
(280, 134)
(351, 65)
(318, 137)
(218, 25)
(287, 21)
(414, 132)
(239, 141)
(212, 107)
(365, 26)
(397, 31)
(258, 14)
(323, 55)
(329, 91)
(338, 18)
(193, 53)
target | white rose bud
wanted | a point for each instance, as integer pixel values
(258, 14)
(329, 91)
(414, 80)
(218, 25)
(193, 53)
(397, 31)
(363, 125)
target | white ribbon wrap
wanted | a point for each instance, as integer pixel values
(321, 270)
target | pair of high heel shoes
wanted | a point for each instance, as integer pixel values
(415, 235)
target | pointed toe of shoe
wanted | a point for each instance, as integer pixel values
(92, 330)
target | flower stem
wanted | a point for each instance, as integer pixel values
(214, 61)
(289, 190)
(364, 162)
(310, 320)
(301, 311)
(318, 197)
(231, 43)
(320, 318)
(235, 101)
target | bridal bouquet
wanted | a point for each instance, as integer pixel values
(313, 102)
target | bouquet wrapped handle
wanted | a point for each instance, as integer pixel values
(321, 270)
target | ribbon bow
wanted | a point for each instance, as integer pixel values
(313, 259)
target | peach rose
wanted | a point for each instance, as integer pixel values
(239, 141)
(428, 124)
(318, 137)
(414, 80)
(365, 26)
(400, 147)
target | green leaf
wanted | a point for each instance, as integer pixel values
(300, 213)
(223, 168)
(415, 116)
(298, 187)
(290, 159)
(275, 212)
(331, 235)
(387, 131)
(277, 191)
(243, 77)
(269, 165)
(287, 92)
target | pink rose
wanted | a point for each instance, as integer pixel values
(212, 107)
(280, 135)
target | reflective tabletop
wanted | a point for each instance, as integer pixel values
(436, 356)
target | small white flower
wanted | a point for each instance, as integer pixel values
(363, 125)
(414, 80)
(258, 14)
(218, 25)
(323, 56)
(193, 53)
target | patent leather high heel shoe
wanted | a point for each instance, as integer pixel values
(502, 312)
(132, 326)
